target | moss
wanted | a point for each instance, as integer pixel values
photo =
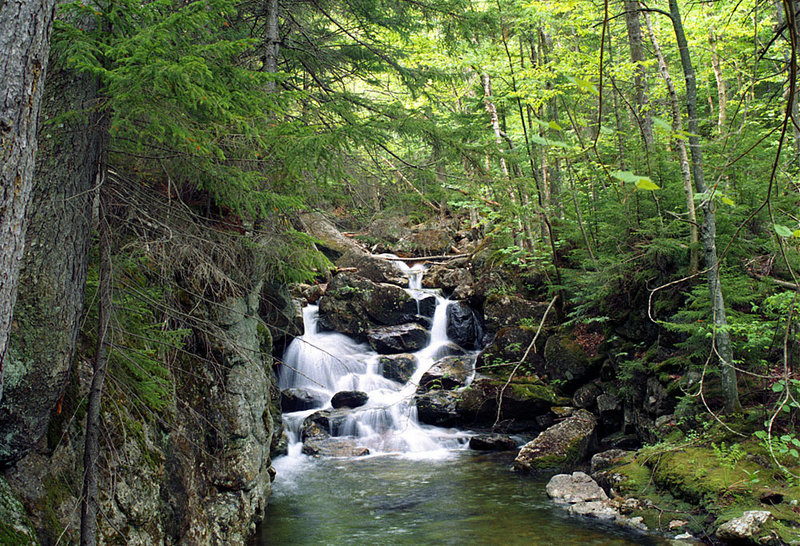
(15, 528)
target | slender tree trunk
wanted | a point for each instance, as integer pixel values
(24, 47)
(708, 237)
(639, 76)
(722, 91)
(271, 41)
(53, 272)
(91, 454)
(680, 143)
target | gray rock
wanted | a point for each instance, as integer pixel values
(464, 326)
(586, 396)
(504, 310)
(560, 446)
(349, 399)
(565, 360)
(448, 373)
(522, 403)
(438, 408)
(333, 447)
(594, 509)
(374, 268)
(610, 410)
(398, 368)
(297, 400)
(492, 442)
(743, 528)
(448, 349)
(606, 459)
(326, 233)
(574, 488)
(330, 422)
(398, 339)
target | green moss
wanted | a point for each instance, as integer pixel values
(15, 528)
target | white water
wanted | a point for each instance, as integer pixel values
(324, 363)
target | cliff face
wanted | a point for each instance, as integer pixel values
(198, 472)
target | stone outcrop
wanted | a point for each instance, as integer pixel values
(327, 234)
(404, 338)
(438, 408)
(565, 360)
(464, 326)
(521, 403)
(560, 446)
(451, 372)
(374, 268)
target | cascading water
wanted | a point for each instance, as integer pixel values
(324, 363)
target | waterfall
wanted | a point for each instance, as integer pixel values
(324, 363)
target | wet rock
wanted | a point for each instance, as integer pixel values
(374, 268)
(398, 368)
(504, 310)
(607, 459)
(326, 233)
(594, 509)
(333, 447)
(573, 488)
(448, 349)
(283, 313)
(353, 305)
(521, 403)
(457, 281)
(297, 400)
(610, 410)
(565, 360)
(492, 442)
(349, 399)
(586, 396)
(448, 373)
(560, 446)
(438, 408)
(14, 525)
(744, 528)
(327, 422)
(463, 325)
(398, 339)
(620, 440)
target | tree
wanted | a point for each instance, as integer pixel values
(24, 46)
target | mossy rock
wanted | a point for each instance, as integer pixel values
(522, 402)
(559, 447)
(15, 528)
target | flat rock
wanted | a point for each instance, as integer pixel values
(404, 338)
(451, 372)
(574, 488)
(606, 459)
(744, 528)
(492, 442)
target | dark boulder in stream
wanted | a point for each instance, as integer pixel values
(297, 400)
(438, 408)
(398, 339)
(492, 442)
(463, 326)
(349, 399)
(449, 373)
(398, 368)
(560, 446)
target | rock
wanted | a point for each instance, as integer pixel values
(504, 310)
(333, 447)
(492, 442)
(456, 281)
(430, 240)
(349, 399)
(449, 373)
(448, 349)
(14, 525)
(522, 402)
(463, 326)
(438, 408)
(398, 339)
(594, 509)
(374, 268)
(610, 410)
(744, 528)
(353, 305)
(677, 524)
(565, 360)
(620, 440)
(327, 235)
(574, 488)
(398, 368)
(586, 396)
(283, 313)
(607, 459)
(326, 422)
(560, 446)
(509, 346)
(297, 400)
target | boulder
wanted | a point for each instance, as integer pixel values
(560, 446)
(586, 396)
(607, 459)
(353, 305)
(398, 339)
(283, 314)
(449, 373)
(610, 410)
(448, 349)
(503, 310)
(374, 268)
(349, 399)
(430, 240)
(297, 400)
(506, 349)
(463, 326)
(327, 422)
(574, 488)
(438, 408)
(565, 360)
(398, 368)
(327, 235)
(319, 444)
(522, 402)
(492, 442)
(457, 281)
(744, 528)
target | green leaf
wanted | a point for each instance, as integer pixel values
(777, 387)
(728, 201)
(644, 183)
(625, 176)
(783, 231)
(554, 125)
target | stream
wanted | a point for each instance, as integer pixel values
(418, 484)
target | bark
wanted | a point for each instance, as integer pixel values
(708, 232)
(639, 76)
(53, 271)
(25, 45)
(722, 91)
(271, 41)
(680, 143)
(89, 502)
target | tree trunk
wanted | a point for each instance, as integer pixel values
(25, 45)
(271, 41)
(680, 143)
(708, 233)
(89, 503)
(53, 272)
(722, 92)
(639, 76)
